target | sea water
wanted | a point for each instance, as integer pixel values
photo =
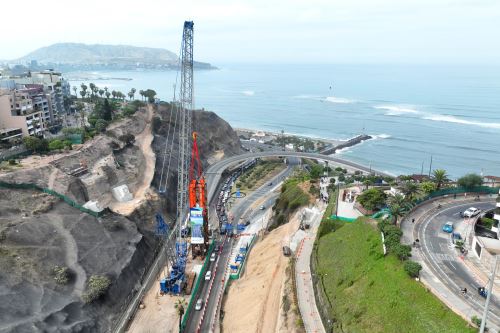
(414, 112)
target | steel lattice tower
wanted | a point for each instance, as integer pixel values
(186, 105)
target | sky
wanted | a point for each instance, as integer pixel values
(268, 31)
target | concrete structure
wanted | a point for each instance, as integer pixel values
(17, 111)
(10, 135)
(122, 193)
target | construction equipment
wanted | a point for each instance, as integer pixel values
(198, 204)
(175, 246)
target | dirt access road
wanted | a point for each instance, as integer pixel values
(144, 141)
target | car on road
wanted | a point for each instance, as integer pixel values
(199, 304)
(471, 212)
(247, 223)
(212, 257)
(262, 207)
(208, 275)
(448, 227)
(270, 184)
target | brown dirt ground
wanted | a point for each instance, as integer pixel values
(143, 191)
(253, 303)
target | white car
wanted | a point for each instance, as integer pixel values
(208, 275)
(212, 257)
(471, 212)
(199, 304)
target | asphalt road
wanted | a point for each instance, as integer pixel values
(237, 211)
(443, 259)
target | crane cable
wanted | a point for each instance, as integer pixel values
(166, 147)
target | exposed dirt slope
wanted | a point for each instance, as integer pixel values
(38, 232)
(253, 302)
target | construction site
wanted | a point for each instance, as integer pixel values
(140, 209)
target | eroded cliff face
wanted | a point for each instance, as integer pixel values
(39, 231)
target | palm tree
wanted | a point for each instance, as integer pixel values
(396, 212)
(75, 89)
(101, 92)
(133, 90)
(113, 93)
(130, 95)
(439, 176)
(180, 305)
(410, 189)
(107, 93)
(83, 93)
(141, 92)
(84, 89)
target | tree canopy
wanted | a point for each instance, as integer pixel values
(470, 180)
(372, 199)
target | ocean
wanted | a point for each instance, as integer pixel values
(448, 113)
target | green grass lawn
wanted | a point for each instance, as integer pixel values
(370, 293)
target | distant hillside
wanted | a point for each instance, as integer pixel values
(96, 56)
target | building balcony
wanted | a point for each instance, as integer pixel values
(496, 217)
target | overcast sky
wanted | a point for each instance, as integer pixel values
(292, 31)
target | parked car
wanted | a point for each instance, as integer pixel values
(199, 304)
(471, 212)
(212, 257)
(208, 275)
(262, 207)
(448, 227)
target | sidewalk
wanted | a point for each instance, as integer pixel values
(305, 292)
(454, 300)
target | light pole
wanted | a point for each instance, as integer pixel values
(488, 296)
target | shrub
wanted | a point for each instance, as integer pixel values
(281, 219)
(412, 268)
(487, 222)
(56, 144)
(61, 274)
(476, 320)
(403, 252)
(372, 199)
(96, 287)
(12, 162)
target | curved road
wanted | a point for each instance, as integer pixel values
(214, 172)
(444, 261)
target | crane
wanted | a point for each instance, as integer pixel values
(198, 204)
(175, 245)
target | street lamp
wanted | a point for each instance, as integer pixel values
(488, 296)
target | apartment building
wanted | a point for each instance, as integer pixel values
(18, 112)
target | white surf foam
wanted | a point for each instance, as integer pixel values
(453, 119)
(339, 100)
(395, 110)
(380, 136)
(248, 92)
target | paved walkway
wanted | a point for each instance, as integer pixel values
(305, 291)
(452, 298)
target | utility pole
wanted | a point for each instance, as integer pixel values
(430, 167)
(488, 296)
(422, 169)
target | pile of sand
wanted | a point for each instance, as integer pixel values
(253, 302)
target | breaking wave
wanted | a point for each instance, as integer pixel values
(396, 110)
(248, 92)
(339, 100)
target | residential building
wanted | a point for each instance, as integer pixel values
(17, 112)
(10, 135)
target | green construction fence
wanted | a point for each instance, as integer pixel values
(31, 186)
(237, 275)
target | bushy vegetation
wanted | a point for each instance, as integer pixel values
(470, 180)
(412, 268)
(372, 199)
(96, 287)
(61, 274)
(372, 293)
(39, 145)
(291, 198)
